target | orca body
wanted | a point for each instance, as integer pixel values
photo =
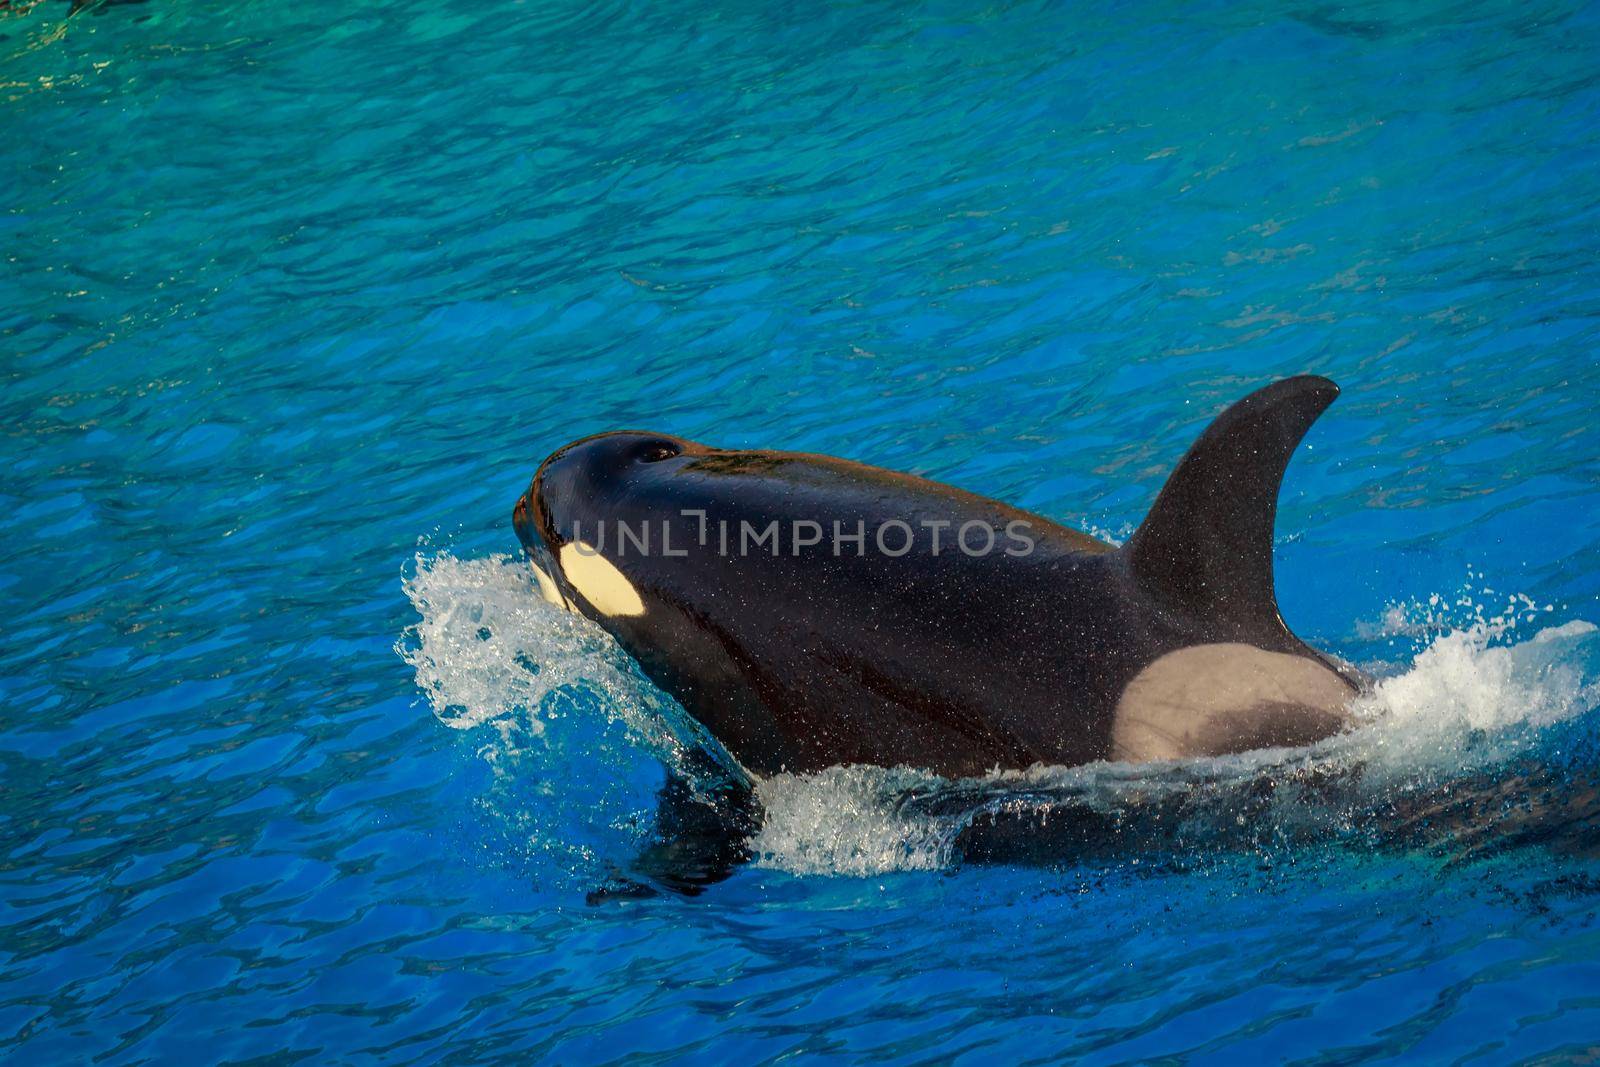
(957, 634)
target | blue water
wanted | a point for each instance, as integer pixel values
(295, 764)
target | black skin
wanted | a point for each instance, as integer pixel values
(950, 662)
(953, 663)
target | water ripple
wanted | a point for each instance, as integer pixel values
(286, 294)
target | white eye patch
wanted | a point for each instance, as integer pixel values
(599, 581)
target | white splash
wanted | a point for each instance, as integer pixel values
(1473, 686)
(1115, 537)
(844, 820)
(1468, 699)
(490, 651)
(1464, 681)
(1472, 605)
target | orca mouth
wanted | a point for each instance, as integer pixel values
(532, 523)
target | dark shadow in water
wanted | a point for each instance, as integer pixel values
(1459, 820)
(705, 819)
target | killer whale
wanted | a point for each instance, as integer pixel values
(811, 611)
(797, 655)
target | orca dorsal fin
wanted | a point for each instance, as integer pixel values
(1205, 548)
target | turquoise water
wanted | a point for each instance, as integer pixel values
(296, 765)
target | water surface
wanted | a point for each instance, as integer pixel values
(295, 298)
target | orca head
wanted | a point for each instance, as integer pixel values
(576, 494)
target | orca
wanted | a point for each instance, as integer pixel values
(811, 611)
